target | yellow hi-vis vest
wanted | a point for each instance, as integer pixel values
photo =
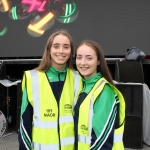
(86, 115)
(53, 125)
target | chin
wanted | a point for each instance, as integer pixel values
(61, 62)
(84, 74)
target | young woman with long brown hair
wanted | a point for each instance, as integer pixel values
(100, 109)
(49, 94)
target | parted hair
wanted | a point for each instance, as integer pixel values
(46, 58)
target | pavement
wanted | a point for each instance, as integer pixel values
(9, 141)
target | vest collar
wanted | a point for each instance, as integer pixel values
(93, 79)
(56, 72)
(89, 83)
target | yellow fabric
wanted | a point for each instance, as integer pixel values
(48, 101)
(29, 86)
(83, 129)
(119, 145)
(45, 136)
(83, 146)
(83, 121)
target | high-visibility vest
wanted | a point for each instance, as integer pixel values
(53, 124)
(86, 115)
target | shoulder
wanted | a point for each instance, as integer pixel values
(108, 91)
(30, 73)
(106, 98)
(74, 73)
(27, 72)
(108, 88)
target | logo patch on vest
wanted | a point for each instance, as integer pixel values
(84, 129)
(68, 108)
(49, 113)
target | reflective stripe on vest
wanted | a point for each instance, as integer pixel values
(118, 138)
(76, 86)
(65, 119)
(40, 124)
(64, 141)
(52, 124)
(84, 137)
(67, 141)
(38, 146)
(35, 92)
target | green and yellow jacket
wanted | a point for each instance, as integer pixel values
(48, 100)
(99, 116)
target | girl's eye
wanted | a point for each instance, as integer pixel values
(78, 57)
(89, 58)
(56, 46)
(66, 47)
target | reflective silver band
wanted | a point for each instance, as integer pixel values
(52, 124)
(65, 119)
(63, 141)
(84, 139)
(45, 124)
(118, 138)
(76, 86)
(100, 84)
(36, 93)
(67, 141)
(38, 146)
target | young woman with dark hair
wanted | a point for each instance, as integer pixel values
(100, 109)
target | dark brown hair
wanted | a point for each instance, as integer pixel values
(46, 59)
(102, 68)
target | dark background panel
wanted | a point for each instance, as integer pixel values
(116, 25)
(8, 103)
(133, 95)
(133, 131)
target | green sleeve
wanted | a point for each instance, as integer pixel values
(104, 111)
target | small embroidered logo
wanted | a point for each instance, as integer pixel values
(68, 108)
(84, 128)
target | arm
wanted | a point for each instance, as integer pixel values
(24, 135)
(105, 119)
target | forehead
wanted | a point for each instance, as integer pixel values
(61, 39)
(85, 50)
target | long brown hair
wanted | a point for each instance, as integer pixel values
(102, 68)
(46, 59)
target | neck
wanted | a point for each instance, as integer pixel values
(59, 67)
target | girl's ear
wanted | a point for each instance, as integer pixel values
(98, 62)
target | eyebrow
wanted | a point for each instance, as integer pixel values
(56, 44)
(81, 55)
(59, 44)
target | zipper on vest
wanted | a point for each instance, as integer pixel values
(59, 129)
(58, 117)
